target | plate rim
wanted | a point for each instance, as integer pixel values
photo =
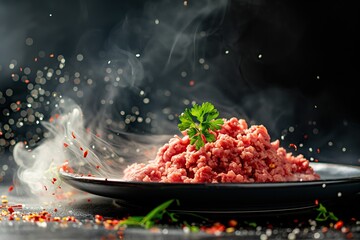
(119, 182)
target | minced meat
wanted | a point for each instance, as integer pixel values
(239, 154)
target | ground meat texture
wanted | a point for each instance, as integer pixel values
(239, 154)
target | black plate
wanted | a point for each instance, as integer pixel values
(337, 182)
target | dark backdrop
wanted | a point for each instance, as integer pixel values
(290, 65)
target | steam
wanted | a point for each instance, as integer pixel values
(121, 100)
(129, 108)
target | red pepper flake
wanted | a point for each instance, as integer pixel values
(66, 145)
(318, 150)
(27, 81)
(11, 188)
(338, 225)
(293, 145)
(10, 209)
(350, 235)
(55, 210)
(89, 200)
(86, 153)
(81, 149)
(192, 83)
(316, 202)
(232, 223)
(97, 166)
(45, 188)
(73, 135)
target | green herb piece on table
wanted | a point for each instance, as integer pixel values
(153, 217)
(198, 121)
(324, 214)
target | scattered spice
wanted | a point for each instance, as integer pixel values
(86, 153)
(11, 188)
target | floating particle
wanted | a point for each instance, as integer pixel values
(185, 3)
(137, 55)
(157, 21)
(79, 57)
(339, 194)
(29, 41)
(191, 83)
(260, 56)
(317, 77)
(50, 15)
(227, 52)
(201, 61)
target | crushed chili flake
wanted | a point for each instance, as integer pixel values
(45, 188)
(338, 225)
(10, 209)
(81, 149)
(232, 223)
(66, 145)
(86, 153)
(11, 188)
(293, 146)
(73, 135)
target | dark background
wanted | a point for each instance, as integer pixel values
(292, 66)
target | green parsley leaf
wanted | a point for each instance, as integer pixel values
(197, 122)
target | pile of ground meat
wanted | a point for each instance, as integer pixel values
(239, 154)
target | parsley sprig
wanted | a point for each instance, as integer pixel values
(154, 216)
(324, 214)
(197, 122)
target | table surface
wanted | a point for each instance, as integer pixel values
(285, 225)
